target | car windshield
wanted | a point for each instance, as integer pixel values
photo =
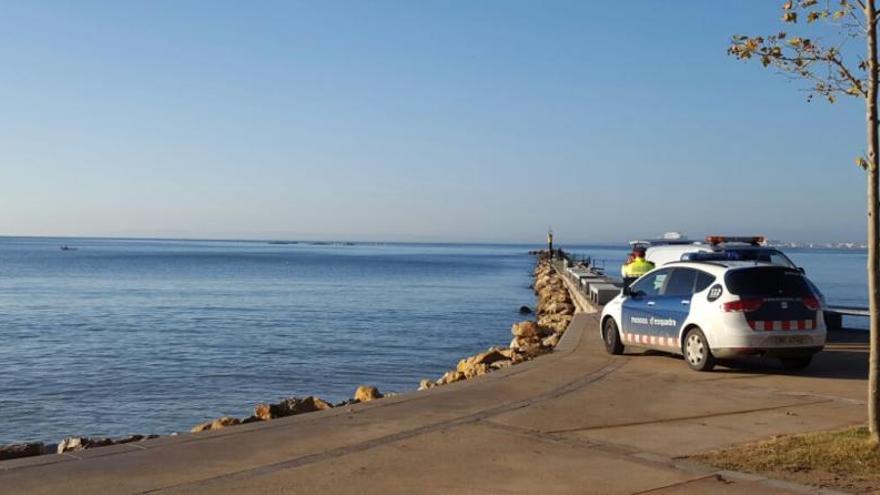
(771, 256)
(768, 282)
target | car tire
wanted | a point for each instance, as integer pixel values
(796, 363)
(611, 336)
(697, 353)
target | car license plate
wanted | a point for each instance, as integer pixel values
(790, 340)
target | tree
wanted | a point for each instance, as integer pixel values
(834, 70)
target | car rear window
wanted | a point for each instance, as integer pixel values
(767, 282)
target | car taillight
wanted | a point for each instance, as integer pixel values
(743, 305)
(811, 303)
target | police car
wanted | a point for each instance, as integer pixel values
(750, 248)
(712, 308)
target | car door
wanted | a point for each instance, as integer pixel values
(638, 308)
(672, 306)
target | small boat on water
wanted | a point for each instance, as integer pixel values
(65, 247)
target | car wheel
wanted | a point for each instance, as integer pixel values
(696, 351)
(612, 337)
(796, 363)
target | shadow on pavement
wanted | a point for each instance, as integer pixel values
(845, 357)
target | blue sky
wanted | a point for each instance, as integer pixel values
(416, 121)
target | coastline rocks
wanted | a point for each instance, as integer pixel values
(216, 424)
(290, 407)
(71, 444)
(17, 450)
(366, 393)
(554, 312)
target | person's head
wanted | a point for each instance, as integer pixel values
(638, 252)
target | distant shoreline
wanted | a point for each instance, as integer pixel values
(842, 246)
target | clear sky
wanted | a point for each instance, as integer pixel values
(414, 121)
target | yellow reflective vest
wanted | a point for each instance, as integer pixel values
(637, 268)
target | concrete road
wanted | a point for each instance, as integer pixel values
(575, 421)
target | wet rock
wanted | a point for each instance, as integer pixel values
(216, 424)
(426, 383)
(366, 393)
(250, 419)
(525, 310)
(17, 450)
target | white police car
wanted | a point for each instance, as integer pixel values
(708, 310)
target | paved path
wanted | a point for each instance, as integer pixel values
(575, 421)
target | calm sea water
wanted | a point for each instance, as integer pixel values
(124, 336)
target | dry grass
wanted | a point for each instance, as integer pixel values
(844, 460)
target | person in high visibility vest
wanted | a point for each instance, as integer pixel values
(636, 266)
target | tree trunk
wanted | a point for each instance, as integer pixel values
(873, 226)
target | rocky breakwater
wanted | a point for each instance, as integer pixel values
(290, 406)
(554, 312)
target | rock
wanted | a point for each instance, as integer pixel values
(217, 424)
(551, 341)
(263, 412)
(311, 404)
(250, 419)
(497, 365)
(451, 377)
(366, 393)
(487, 358)
(289, 407)
(525, 310)
(79, 443)
(525, 329)
(426, 383)
(16, 450)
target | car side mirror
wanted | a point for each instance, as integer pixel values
(629, 292)
(801, 269)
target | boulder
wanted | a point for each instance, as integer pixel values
(16, 450)
(525, 310)
(451, 377)
(487, 358)
(497, 365)
(79, 443)
(310, 404)
(474, 369)
(289, 407)
(426, 383)
(366, 393)
(217, 424)
(526, 329)
(551, 341)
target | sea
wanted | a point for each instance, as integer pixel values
(113, 337)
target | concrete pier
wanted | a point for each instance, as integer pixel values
(575, 421)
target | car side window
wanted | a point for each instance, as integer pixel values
(704, 280)
(681, 282)
(652, 284)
